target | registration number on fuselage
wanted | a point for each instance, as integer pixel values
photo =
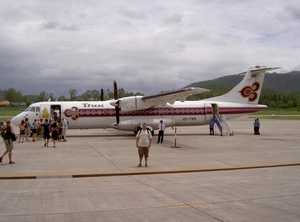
(189, 118)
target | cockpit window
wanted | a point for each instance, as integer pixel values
(28, 108)
(32, 109)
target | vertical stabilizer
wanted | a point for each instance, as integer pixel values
(249, 89)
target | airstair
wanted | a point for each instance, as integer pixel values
(212, 112)
(222, 124)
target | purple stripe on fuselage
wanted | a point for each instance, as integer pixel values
(95, 112)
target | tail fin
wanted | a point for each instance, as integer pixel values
(248, 90)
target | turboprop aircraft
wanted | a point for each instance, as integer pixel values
(129, 112)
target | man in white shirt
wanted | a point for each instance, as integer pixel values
(143, 143)
(64, 129)
(161, 130)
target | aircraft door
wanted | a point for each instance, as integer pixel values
(215, 109)
(211, 109)
(45, 111)
(208, 111)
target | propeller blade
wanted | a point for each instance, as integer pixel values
(115, 91)
(101, 95)
(117, 109)
(117, 114)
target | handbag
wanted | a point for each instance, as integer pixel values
(13, 137)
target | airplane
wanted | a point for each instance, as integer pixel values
(129, 113)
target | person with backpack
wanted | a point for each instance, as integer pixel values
(22, 131)
(54, 133)
(143, 143)
(27, 129)
(47, 128)
(33, 130)
(7, 133)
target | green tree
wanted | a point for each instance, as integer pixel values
(73, 93)
(43, 96)
(87, 95)
(12, 95)
(62, 98)
(95, 94)
(51, 97)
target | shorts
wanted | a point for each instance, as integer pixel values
(22, 132)
(46, 136)
(143, 151)
(10, 145)
(39, 131)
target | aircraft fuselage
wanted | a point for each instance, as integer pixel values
(100, 114)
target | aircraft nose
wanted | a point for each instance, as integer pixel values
(16, 120)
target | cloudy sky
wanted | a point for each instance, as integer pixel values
(146, 46)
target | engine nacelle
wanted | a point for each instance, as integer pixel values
(130, 103)
(128, 125)
(132, 124)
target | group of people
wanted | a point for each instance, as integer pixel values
(42, 129)
(144, 138)
(58, 127)
(256, 127)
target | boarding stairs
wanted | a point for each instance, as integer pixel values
(223, 125)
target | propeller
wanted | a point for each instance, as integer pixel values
(117, 102)
(101, 95)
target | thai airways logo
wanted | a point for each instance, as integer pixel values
(250, 92)
(73, 113)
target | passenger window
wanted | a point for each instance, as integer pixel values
(37, 109)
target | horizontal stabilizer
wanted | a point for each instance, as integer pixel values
(259, 70)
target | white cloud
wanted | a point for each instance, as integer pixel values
(146, 46)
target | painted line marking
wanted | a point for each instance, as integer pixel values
(190, 205)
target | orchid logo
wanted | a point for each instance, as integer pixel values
(250, 92)
(73, 113)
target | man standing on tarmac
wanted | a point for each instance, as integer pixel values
(143, 143)
(64, 129)
(161, 131)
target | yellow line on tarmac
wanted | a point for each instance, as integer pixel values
(189, 205)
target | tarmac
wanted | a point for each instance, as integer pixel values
(94, 176)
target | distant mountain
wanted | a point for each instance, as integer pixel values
(288, 82)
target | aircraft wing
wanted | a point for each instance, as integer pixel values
(172, 96)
